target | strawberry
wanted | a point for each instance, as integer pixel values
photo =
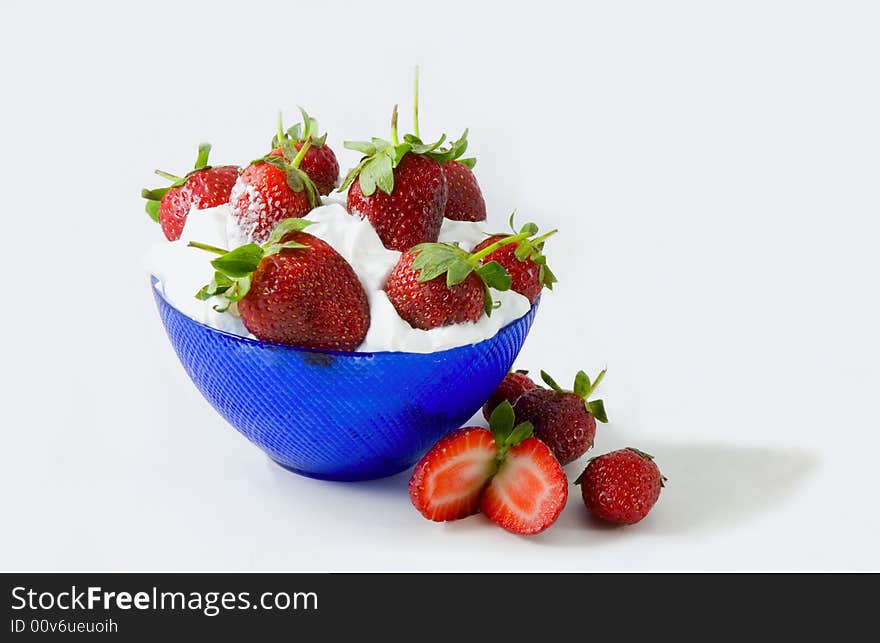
(204, 187)
(511, 388)
(438, 284)
(464, 201)
(400, 186)
(295, 290)
(510, 475)
(565, 420)
(424, 299)
(273, 188)
(446, 484)
(524, 260)
(529, 491)
(319, 161)
(621, 486)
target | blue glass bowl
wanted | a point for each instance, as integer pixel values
(340, 416)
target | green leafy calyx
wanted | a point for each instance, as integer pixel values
(299, 133)
(435, 259)
(233, 268)
(154, 197)
(376, 169)
(507, 434)
(583, 388)
(641, 454)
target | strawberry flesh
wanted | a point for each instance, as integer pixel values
(529, 491)
(447, 482)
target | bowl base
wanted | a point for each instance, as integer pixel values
(358, 477)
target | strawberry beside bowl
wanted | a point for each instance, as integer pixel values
(340, 416)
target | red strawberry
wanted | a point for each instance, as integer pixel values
(401, 187)
(173, 209)
(204, 187)
(319, 162)
(322, 167)
(511, 388)
(621, 486)
(271, 189)
(565, 420)
(529, 491)
(446, 484)
(294, 290)
(524, 260)
(411, 210)
(438, 284)
(465, 200)
(510, 475)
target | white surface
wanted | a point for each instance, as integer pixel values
(714, 174)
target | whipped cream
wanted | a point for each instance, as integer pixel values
(181, 271)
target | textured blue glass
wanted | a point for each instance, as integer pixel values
(340, 416)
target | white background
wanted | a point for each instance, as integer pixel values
(713, 169)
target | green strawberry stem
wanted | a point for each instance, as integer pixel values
(280, 128)
(202, 159)
(416, 103)
(492, 247)
(543, 237)
(205, 246)
(507, 434)
(168, 175)
(302, 152)
(595, 383)
(394, 140)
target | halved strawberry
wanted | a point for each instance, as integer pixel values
(448, 481)
(529, 491)
(505, 472)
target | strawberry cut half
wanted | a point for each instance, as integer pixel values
(448, 481)
(529, 491)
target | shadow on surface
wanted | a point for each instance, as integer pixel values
(396, 485)
(710, 487)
